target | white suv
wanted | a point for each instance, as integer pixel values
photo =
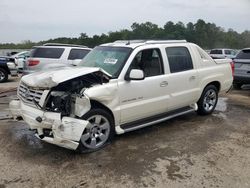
(223, 53)
(54, 55)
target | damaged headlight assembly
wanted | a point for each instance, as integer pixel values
(68, 104)
(59, 101)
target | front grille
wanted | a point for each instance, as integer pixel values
(29, 94)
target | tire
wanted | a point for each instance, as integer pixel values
(208, 100)
(237, 86)
(99, 133)
(3, 75)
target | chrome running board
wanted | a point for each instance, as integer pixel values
(138, 125)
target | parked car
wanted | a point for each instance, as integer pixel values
(11, 53)
(223, 53)
(7, 67)
(242, 68)
(52, 55)
(120, 87)
(20, 59)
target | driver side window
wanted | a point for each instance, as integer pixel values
(149, 61)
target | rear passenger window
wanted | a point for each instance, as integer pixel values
(179, 59)
(54, 53)
(216, 52)
(77, 54)
(203, 54)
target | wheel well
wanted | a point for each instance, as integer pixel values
(5, 68)
(96, 104)
(216, 84)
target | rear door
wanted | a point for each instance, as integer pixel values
(183, 78)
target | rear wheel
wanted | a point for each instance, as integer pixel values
(237, 85)
(98, 133)
(208, 100)
(3, 75)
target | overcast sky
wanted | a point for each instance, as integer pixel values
(41, 20)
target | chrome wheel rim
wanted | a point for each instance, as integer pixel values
(210, 99)
(96, 133)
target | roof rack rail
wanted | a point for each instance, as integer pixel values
(59, 44)
(150, 41)
(164, 41)
(130, 41)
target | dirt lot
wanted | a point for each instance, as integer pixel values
(188, 151)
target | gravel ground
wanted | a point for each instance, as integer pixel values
(188, 151)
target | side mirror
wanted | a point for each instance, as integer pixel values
(135, 74)
(76, 62)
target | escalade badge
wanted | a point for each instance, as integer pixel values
(26, 93)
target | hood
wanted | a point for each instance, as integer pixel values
(51, 78)
(6, 58)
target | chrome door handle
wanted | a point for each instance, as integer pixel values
(192, 78)
(164, 84)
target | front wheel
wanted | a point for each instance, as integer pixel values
(98, 133)
(208, 100)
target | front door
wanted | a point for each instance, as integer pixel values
(144, 98)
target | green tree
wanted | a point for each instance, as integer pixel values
(207, 35)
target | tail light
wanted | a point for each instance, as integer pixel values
(32, 62)
(232, 67)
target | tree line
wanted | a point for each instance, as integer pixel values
(207, 35)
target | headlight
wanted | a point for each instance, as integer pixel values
(11, 65)
(59, 102)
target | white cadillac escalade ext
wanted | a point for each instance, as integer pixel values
(120, 87)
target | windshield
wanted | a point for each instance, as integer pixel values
(216, 52)
(110, 59)
(53, 53)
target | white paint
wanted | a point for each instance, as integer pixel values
(82, 106)
(51, 78)
(66, 131)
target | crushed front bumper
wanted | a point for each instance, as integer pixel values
(65, 132)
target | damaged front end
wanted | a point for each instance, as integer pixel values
(55, 113)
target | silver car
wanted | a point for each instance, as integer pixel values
(242, 68)
(51, 56)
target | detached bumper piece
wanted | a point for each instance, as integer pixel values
(50, 127)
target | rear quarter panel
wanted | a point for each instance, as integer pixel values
(213, 70)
